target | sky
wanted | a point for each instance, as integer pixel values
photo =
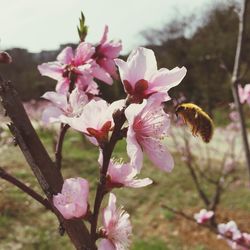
(44, 25)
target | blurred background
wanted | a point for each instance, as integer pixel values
(200, 35)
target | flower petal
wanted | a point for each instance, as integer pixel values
(134, 150)
(51, 114)
(111, 49)
(58, 99)
(62, 86)
(158, 154)
(109, 66)
(84, 52)
(106, 245)
(102, 75)
(66, 56)
(139, 183)
(105, 35)
(51, 69)
(165, 79)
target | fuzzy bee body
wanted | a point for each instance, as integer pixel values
(199, 121)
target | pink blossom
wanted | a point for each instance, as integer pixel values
(70, 66)
(123, 175)
(230, 230)
(116, 227)
(203, 216)
(63, 106)
(78, 67)
(246, 241)
(241, 243)
(72, 202)
(141, 78)
(148, 126)
(244, 93)
(106, 52)
(96, 120)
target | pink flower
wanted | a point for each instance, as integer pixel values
(203, 216)
(70, 67)
(96, 120)
(63, 106)
(79, 68)
(230, 230)
(106, 52)
(244, 93)
(148, 126)
(116, 227)
(72, 202)
(141, 78)
(246, 240)
(123, 175)
(231, 234)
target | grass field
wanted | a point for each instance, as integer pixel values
(24, 224)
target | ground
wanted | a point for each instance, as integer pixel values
(24, 224)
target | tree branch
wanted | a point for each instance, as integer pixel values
(48, 176)
(212, 227)
(11, 179)
(235, 79)
(200, 191)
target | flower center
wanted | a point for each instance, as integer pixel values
(101, 135)
(139, 92)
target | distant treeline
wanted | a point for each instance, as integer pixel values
(206, 48)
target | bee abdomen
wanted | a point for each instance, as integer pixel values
(199, 121)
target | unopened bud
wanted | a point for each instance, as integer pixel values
(82, 28)
(5, 58)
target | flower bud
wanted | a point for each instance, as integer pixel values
(5, 58)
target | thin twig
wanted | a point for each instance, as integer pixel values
(212, 226)
(59, 145)
(48, 176)
(235, 79)
(201, 193)
(32, 193)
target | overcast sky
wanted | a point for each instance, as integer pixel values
(46, 24)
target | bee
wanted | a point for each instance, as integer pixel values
(199, 121)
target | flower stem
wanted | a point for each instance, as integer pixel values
(119, 119)
(59, 145)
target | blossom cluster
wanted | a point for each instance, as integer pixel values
(236, 239)
(76, 102)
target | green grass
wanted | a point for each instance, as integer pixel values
(24, 223)
(150, 244)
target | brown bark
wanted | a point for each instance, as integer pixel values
(47, 174)
(235, 79)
